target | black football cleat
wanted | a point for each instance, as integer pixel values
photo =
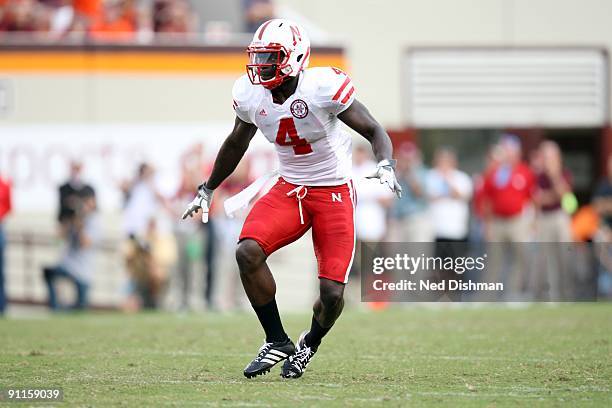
(295, 365)
(269, 355)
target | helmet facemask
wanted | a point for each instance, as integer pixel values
(268, 65)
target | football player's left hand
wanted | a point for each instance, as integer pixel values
(386, 175)
(201, 201)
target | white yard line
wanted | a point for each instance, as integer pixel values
(394, 357)
(513, 390)
(455, 357)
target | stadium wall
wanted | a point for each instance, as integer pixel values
(377, 34)
(85, 83)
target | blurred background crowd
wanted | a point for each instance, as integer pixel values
(520, 210)
(124, 20)
(516, 201)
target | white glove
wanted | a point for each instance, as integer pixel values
(202, 201)
(386, 175)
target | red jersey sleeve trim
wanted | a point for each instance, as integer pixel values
(344, 84)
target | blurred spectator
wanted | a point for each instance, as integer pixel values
(174, 16)
(60, 14)
(585, 224)
(229, 289)
(553, 224)
(256, 12)
(508, 189)
(370, 214)
(89, 9)
(5, 208)
(117, 22)
(148, 259)
(602, 201)
(86, 12)
(24, 16)
(80, 233)
(72, 193)
(187, 232)
(479, 202)
(553, 184)
(410, 220)
(142, 201)
(149, 250)
(210, 254)
(449, 191)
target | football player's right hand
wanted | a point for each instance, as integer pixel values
(201, 201)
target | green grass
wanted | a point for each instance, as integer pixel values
(490, 356)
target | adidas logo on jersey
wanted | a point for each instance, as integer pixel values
(263, 112)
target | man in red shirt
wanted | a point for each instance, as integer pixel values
(5, 208)
(508, 189)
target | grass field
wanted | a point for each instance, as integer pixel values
(490, 356)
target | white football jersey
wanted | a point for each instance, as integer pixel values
(312, 147)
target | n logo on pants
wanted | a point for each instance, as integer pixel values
(336, 197)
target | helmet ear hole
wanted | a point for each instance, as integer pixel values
(299, 57)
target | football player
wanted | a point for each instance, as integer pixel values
(301, 111)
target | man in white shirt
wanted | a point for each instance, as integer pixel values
(449, 191)
(374, 198)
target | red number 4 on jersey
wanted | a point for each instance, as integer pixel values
(287, 127)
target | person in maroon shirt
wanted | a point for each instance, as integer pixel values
(553, 182)
(507, 195)
(5, 208)
(24, 16)
(553, 280)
